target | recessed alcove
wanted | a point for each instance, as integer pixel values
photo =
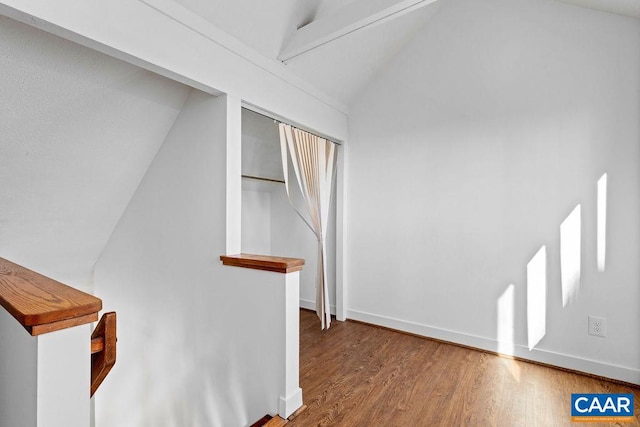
(270, 226)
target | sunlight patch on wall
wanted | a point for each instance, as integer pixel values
(506, 330)
(505, 326)
(537, 297)
(602, 222)
(570, 252)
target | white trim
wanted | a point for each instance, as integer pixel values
(311, 305)
(290, 404)
(621, 373)
(341, 243)
(233, 138)
(290, 391)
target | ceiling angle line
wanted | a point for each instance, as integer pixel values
(353, 17)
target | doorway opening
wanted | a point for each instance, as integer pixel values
(270, 226)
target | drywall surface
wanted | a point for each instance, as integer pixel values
(64, 378)
(18, 374)
(473, 171)
(183, 46)
(44, 380)
(198, 343)
(261, 154)
(256, 221)
(78, 131)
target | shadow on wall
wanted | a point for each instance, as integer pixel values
(537, 278)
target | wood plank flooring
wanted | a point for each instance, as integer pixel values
(360, 375)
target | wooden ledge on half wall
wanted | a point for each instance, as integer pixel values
(277, 264)
(41, 304)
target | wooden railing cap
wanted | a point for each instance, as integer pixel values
(264, 262)
(41, 304)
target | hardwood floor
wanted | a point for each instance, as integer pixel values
(360, 375)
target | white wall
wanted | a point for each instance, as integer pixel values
(256, 219)
(18, 374)
(261, 156)
(468, 153)
(194, 346)
(64, 378)
(78, 130)
(44, 380)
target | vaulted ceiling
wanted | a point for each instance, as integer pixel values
(343, 42)
(341, 67)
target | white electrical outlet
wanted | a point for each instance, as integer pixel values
(597, 326)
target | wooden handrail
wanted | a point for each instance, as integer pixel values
(41, 304)
(264, 262)
(103, 349)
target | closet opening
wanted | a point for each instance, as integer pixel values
(270, 225)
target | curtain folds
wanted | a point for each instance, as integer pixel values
(314, 163)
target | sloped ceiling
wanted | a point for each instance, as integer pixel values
(345, 66)
(262, 25)
(340, 68)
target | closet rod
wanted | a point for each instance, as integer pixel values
(263, 179)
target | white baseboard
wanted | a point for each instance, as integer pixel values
(311, 305)
(291, 403)
(620, 373)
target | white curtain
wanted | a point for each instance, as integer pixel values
(314, 162)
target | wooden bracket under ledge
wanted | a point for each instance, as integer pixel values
(103, 349)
